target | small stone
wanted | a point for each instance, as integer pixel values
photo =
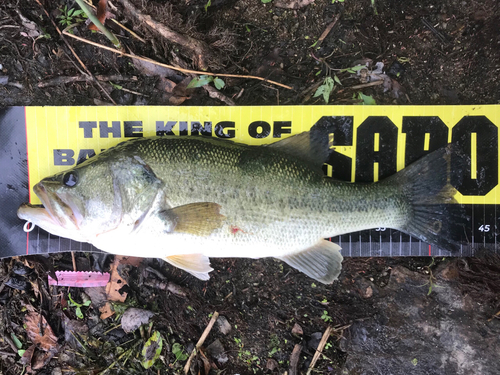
(133, 318)
(368, 292)
(223, 324)
(217, 351)
(297, 330)
(56, 371)
(271, 364)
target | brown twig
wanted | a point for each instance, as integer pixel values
(294, 359)
(327, 31)
(74, 53)
(187, 71)
(73, 260)
(82, 78)
(200, 342)
(321, 345)
(363, 85)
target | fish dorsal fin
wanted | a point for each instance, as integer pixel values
(322, 261)
(196, 264)
(199, 219)
(310, 147)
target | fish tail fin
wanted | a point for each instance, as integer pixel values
(435, 216)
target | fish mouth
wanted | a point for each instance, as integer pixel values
(58, 210)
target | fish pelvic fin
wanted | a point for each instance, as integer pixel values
(197, 265)
(322, 262)
(200, 219)
(435, 216)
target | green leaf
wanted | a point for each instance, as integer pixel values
(20, 352)
(219, 83)
(209, 2)
(78, 312)
(200, 81)
(337, 79)
(367, 99)
(152, 350)
(118, 87)
(265, 1)
(325, 89)
(179, 352)
(18, 343)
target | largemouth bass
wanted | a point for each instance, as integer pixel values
(185, 199)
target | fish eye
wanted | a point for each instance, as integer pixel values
(70, 179)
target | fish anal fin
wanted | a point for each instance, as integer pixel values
(197, 265)
(200, 219)
(322, 262)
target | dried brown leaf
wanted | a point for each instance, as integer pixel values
(40, 332)
(106, 311)
(116, 282)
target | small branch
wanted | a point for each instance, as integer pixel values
(327, 31)
(82, 78)
(200, 342)
(363, 85)
(187, 71)
(73, 260)
(321, 345)
(294, 359)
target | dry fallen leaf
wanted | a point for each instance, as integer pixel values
(44, 342)
(106, 311)
(40, 332)
(116, 282)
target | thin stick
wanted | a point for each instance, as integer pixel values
(363, 85)
(74, 261)
(187, 71)
(321, 345)
(201, 341)
(74, 53)
(61, 80)
(327, 31)
(294, 359)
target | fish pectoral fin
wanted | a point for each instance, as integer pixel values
(322, 262)
(196, 264)
(200, 219)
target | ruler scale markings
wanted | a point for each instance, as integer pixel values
(360, 244)
(473, 156)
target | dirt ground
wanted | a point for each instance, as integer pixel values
(387, 316)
